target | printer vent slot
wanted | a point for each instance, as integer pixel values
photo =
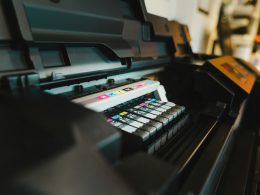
(12, 59)
(52, 57)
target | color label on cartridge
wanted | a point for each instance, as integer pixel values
(122, 126)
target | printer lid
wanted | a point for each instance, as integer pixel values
(63, 39)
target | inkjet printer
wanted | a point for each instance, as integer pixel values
(102, 97)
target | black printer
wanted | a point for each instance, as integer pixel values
(102, 97)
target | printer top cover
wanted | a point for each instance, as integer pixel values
(61, 40)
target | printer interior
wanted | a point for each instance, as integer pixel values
(102, 97)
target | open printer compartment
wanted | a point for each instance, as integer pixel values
(55, 52)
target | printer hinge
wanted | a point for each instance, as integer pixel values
(18, 83)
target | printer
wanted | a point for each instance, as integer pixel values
(102, 97)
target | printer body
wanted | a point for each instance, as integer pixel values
(102, 97)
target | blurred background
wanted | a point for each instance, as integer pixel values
(221, 27)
